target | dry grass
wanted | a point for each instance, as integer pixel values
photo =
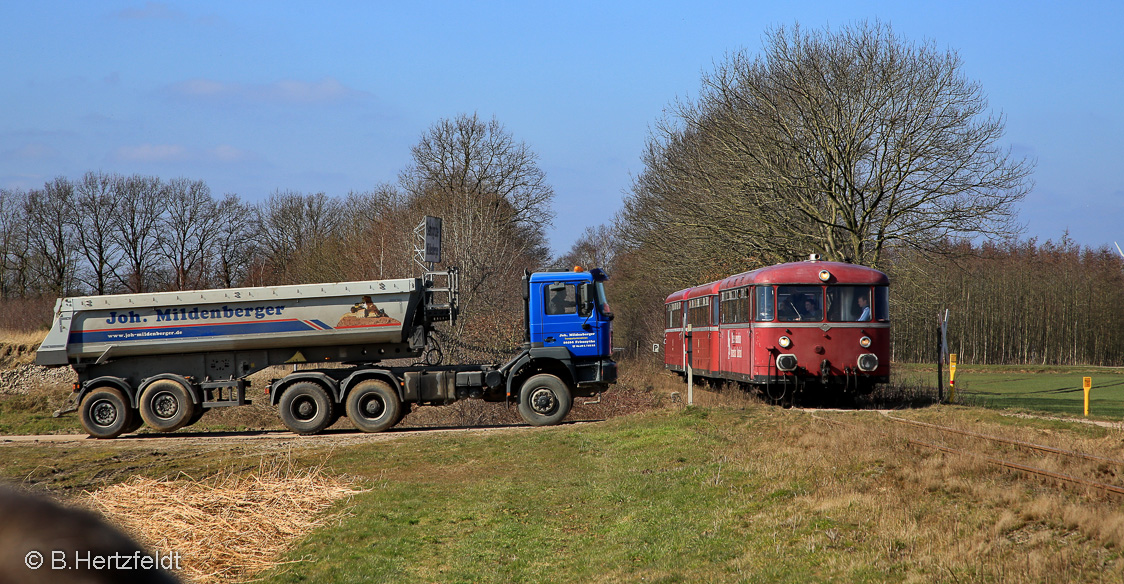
(18, 347)
(227, 528)
(18, 337)
(952, 516)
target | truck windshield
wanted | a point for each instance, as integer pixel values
(602, 300)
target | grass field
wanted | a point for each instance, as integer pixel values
(733, 491)
(1053, 389)
(730, 490)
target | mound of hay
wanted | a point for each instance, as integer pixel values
(228, 528)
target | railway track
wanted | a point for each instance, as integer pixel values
(1102, 487)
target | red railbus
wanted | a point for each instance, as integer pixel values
(811, 326)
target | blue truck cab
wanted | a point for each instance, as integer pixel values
(569, 309)
(568, 349)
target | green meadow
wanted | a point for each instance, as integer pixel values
(1050, 389)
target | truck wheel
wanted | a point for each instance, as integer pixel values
(135, 424)
(544, 400)
(373, 406)
(198, 415)
(166, 405)
(105, 413)
(305, 408)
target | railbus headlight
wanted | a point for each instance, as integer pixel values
(864, 342)
(868, 362)
(786, 362)
(825, 275)
(784, 342)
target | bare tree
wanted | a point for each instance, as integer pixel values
(188, 225)
(14, 252)
(232, 249)
(93, 223)
(495, 203)
(294, 231)
(489, 190)
(595, 248)
(50, 235)
(376, 235)
(845, 144)
(137, 231)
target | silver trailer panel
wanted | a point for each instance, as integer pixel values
(105, 327)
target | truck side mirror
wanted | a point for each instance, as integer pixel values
(585, 307)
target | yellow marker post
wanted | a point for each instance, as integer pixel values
(951, 377)
(1087, 384)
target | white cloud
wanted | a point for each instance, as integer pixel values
(286, 91)
(228, 153)
(150, 11)
(33, 151)
(151, 153)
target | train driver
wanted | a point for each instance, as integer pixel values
(810, 311)
(864, 307)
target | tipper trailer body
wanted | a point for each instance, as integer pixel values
(163, 359)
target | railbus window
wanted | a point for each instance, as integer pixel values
(698, 311)
(675, 315)
(852, 304)
(735, 306)
(800, 303)
(764, 303)
(882, 303)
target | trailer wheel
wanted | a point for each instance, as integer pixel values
(544, 400)
(305, 408)
(373, 406)
(105, 413)
(198, 415)
(166, 405)
(135, 424)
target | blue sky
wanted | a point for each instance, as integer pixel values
(257, 96)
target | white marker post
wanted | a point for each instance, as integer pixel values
(690, 372)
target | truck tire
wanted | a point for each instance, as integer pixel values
(544, 400)
(166, 405)
(305, 408)
(135, 424)
(373, 406)
(105, 413)
(198, 415)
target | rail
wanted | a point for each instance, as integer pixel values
(1104, 487)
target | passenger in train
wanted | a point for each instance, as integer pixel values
(864, 308)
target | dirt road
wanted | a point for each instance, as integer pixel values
(262, 437)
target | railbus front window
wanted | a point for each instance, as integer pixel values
(800, 303)
(881, 303)
(764, 303)
(852, 304)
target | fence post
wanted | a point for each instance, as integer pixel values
(940, 362)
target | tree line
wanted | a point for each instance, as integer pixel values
(1016, 302)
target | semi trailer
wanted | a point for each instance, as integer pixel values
(164, 359)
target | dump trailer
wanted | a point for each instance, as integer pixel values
(164, 359)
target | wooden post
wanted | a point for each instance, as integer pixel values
(951, 377)
(1087, 384)
(690, 371)
(940, 362)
